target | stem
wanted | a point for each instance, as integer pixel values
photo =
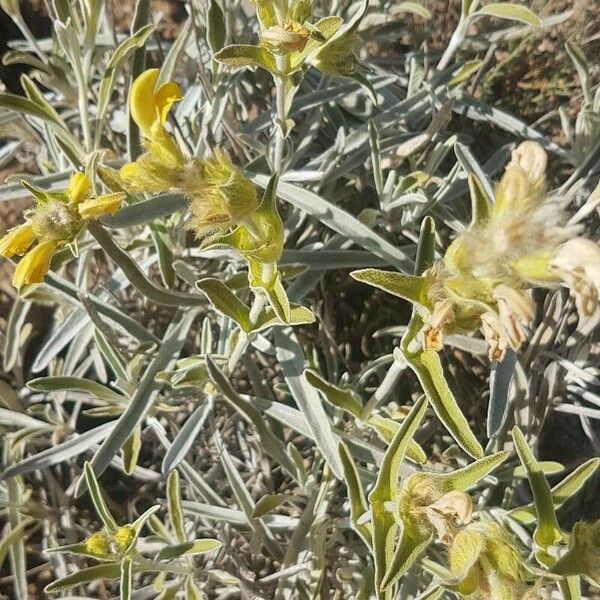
(260, 299)
(456, 40)
(259, 302)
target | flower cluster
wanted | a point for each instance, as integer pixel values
(521, 241)
(223, 203)
(106, 545)
(524, 241)
(56, 221)
(485, 563)
(329, 45)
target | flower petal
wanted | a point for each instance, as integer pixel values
(79, 187)
(141, 100)
(17, 241)
(102, 205)
(166, 95)
(34, 265)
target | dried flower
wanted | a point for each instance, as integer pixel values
(485, 564)
(292, 37)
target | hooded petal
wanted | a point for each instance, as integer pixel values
(34, 265)
(142, 102)
(102, 205)
(79, 188)
(166, 95)
(17, 241)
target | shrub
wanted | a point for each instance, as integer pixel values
(304, 309)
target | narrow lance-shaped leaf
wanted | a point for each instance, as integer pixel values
(547, 531)
(110, 571)
(239, 56)
(188, 549)
(408, 287)
(225, 301)
(97, 499)
(384, 524)
(356, 496)
(562, 491)
(514, 12)
(174, 503)
(428, 368)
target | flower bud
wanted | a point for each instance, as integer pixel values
(221, 197)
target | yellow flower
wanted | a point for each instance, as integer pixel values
(17, 241)
(97, 544)
(33, 267)
(57, 219)
(79, 188)
(150, 106)
(122, 538)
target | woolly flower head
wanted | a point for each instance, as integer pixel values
(521, 241)
(221, 198)
(485, 563)
(292, 37)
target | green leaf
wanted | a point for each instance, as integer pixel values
(299, 315)
(131, 450)
(76, 384)
(268, 503)
(240, 56)
(547, 531)
(428, 368)
(385, 490)
(174, 503)
(216, 32)
(409, 287)
(408, 549)
(98, 501)
(461, 480)
(356, 496)
(111, 571)
(513, 12)
(346, 400)
(14, 534)
(278, 300)
(561, 492)
(121, 53)
(226, 302)
(188, 549)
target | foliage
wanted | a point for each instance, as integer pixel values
(187, 425)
